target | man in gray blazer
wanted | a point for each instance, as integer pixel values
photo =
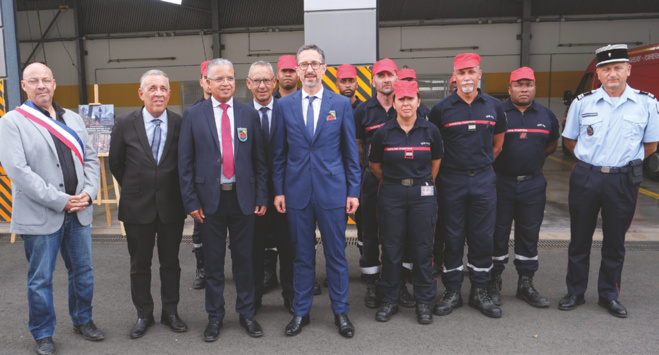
(51, 162)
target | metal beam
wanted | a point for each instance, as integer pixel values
(43, 36)
(12, 54)
(80, 53)
(215, 18)
(525, 37)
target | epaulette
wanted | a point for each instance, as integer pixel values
(581, 96)
(646, 93)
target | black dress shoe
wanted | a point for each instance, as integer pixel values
(89, 331)
(346, 329)
(294, 327)
(615, 308)
(212, 331)
(479, 299)
(251, 326)
(140, 327)
(288, 304)
(316, 288)
(45, 346)
(570, 302)
(386, 311)
(423, 313)
(451, 300)
(174, 322)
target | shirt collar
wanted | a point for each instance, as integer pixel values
(600, 93)
(258, 106)
(456, 98)
(508, 106)
(217, 103)
(59, 111)
(396, 125)
(318, 95)
(148, 117)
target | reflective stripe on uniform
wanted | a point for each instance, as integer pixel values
(197, 246)
(271, 249)
(481, 269)
(521, 257)
(372, 270)
(500, 258)
(460, 268)
(408, 266)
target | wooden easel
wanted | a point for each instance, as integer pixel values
(103, 196)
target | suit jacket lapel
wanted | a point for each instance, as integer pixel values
(46, 135)
(210, 120)
(325, 105)
(237, 122)
(299, 117)
(138, 121)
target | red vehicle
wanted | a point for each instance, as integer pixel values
(644, 76)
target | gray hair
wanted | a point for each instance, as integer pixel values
(312, 47)
(152, 72)
(217, 62)
(260, 63)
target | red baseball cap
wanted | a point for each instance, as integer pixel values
(204, 66)
(466, 60)
(287, 62)
(406, 73)
(522, 73)
(346, 71)
(385, 64)
(404, 88)
(452, 80)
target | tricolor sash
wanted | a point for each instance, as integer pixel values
(63, 132)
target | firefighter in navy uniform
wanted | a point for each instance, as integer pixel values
(369, 117)
(532, 135)
(405, 155)
(346, 82)
(472, 125)
(610, 131)
(408, 74)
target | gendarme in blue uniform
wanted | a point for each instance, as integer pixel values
(407, 210)
(521, 186)
(610, 133)
(467, 184)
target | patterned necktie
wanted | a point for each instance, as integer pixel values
(227, 146)
(265, 124)
(155, 140)
(310, 116)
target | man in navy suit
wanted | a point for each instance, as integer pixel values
(316, 179)
(223, 176)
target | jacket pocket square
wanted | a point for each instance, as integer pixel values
(331, 116)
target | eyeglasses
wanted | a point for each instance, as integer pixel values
(261, 81)
(229, 79)
(35, 81)
(305, 65)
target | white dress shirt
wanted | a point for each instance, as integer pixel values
(217, 112)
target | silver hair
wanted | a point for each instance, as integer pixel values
(217, 62)
(312, 47)
(152, 72)
(261, 63)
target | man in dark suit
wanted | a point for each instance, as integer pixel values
(316, 178)
(272, 230)
(144, 159)
(223, 176)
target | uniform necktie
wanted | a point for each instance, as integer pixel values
(265, 124)
(155, 141)
(227, 146)
(310, 116)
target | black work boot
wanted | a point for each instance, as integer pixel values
(451, 300)
(479, 299)
(528, 293)
(494, 289)
(405, 299)
(423, 313)
(200, 279)
(372, 298)
(386, 311)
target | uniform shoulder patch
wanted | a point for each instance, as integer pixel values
(646, 93)
(581, 96)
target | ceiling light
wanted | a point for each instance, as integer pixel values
(177, 2)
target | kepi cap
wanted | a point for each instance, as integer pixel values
(613, 53)
(287, 62)
(204, 67)
(522, 73)
(452, 80)
(385, 64)
(466, 60)
(404, 88)
(406, 73)
(346, 71)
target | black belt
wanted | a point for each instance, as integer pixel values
(470, 172)
(410, 182)
(520, 177)
(603, 169)
(228, 187)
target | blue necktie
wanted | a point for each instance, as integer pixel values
(310, 116)
(155, 142)
(265, 125)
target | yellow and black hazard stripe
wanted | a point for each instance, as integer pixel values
(2, 97)
(363, 79)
